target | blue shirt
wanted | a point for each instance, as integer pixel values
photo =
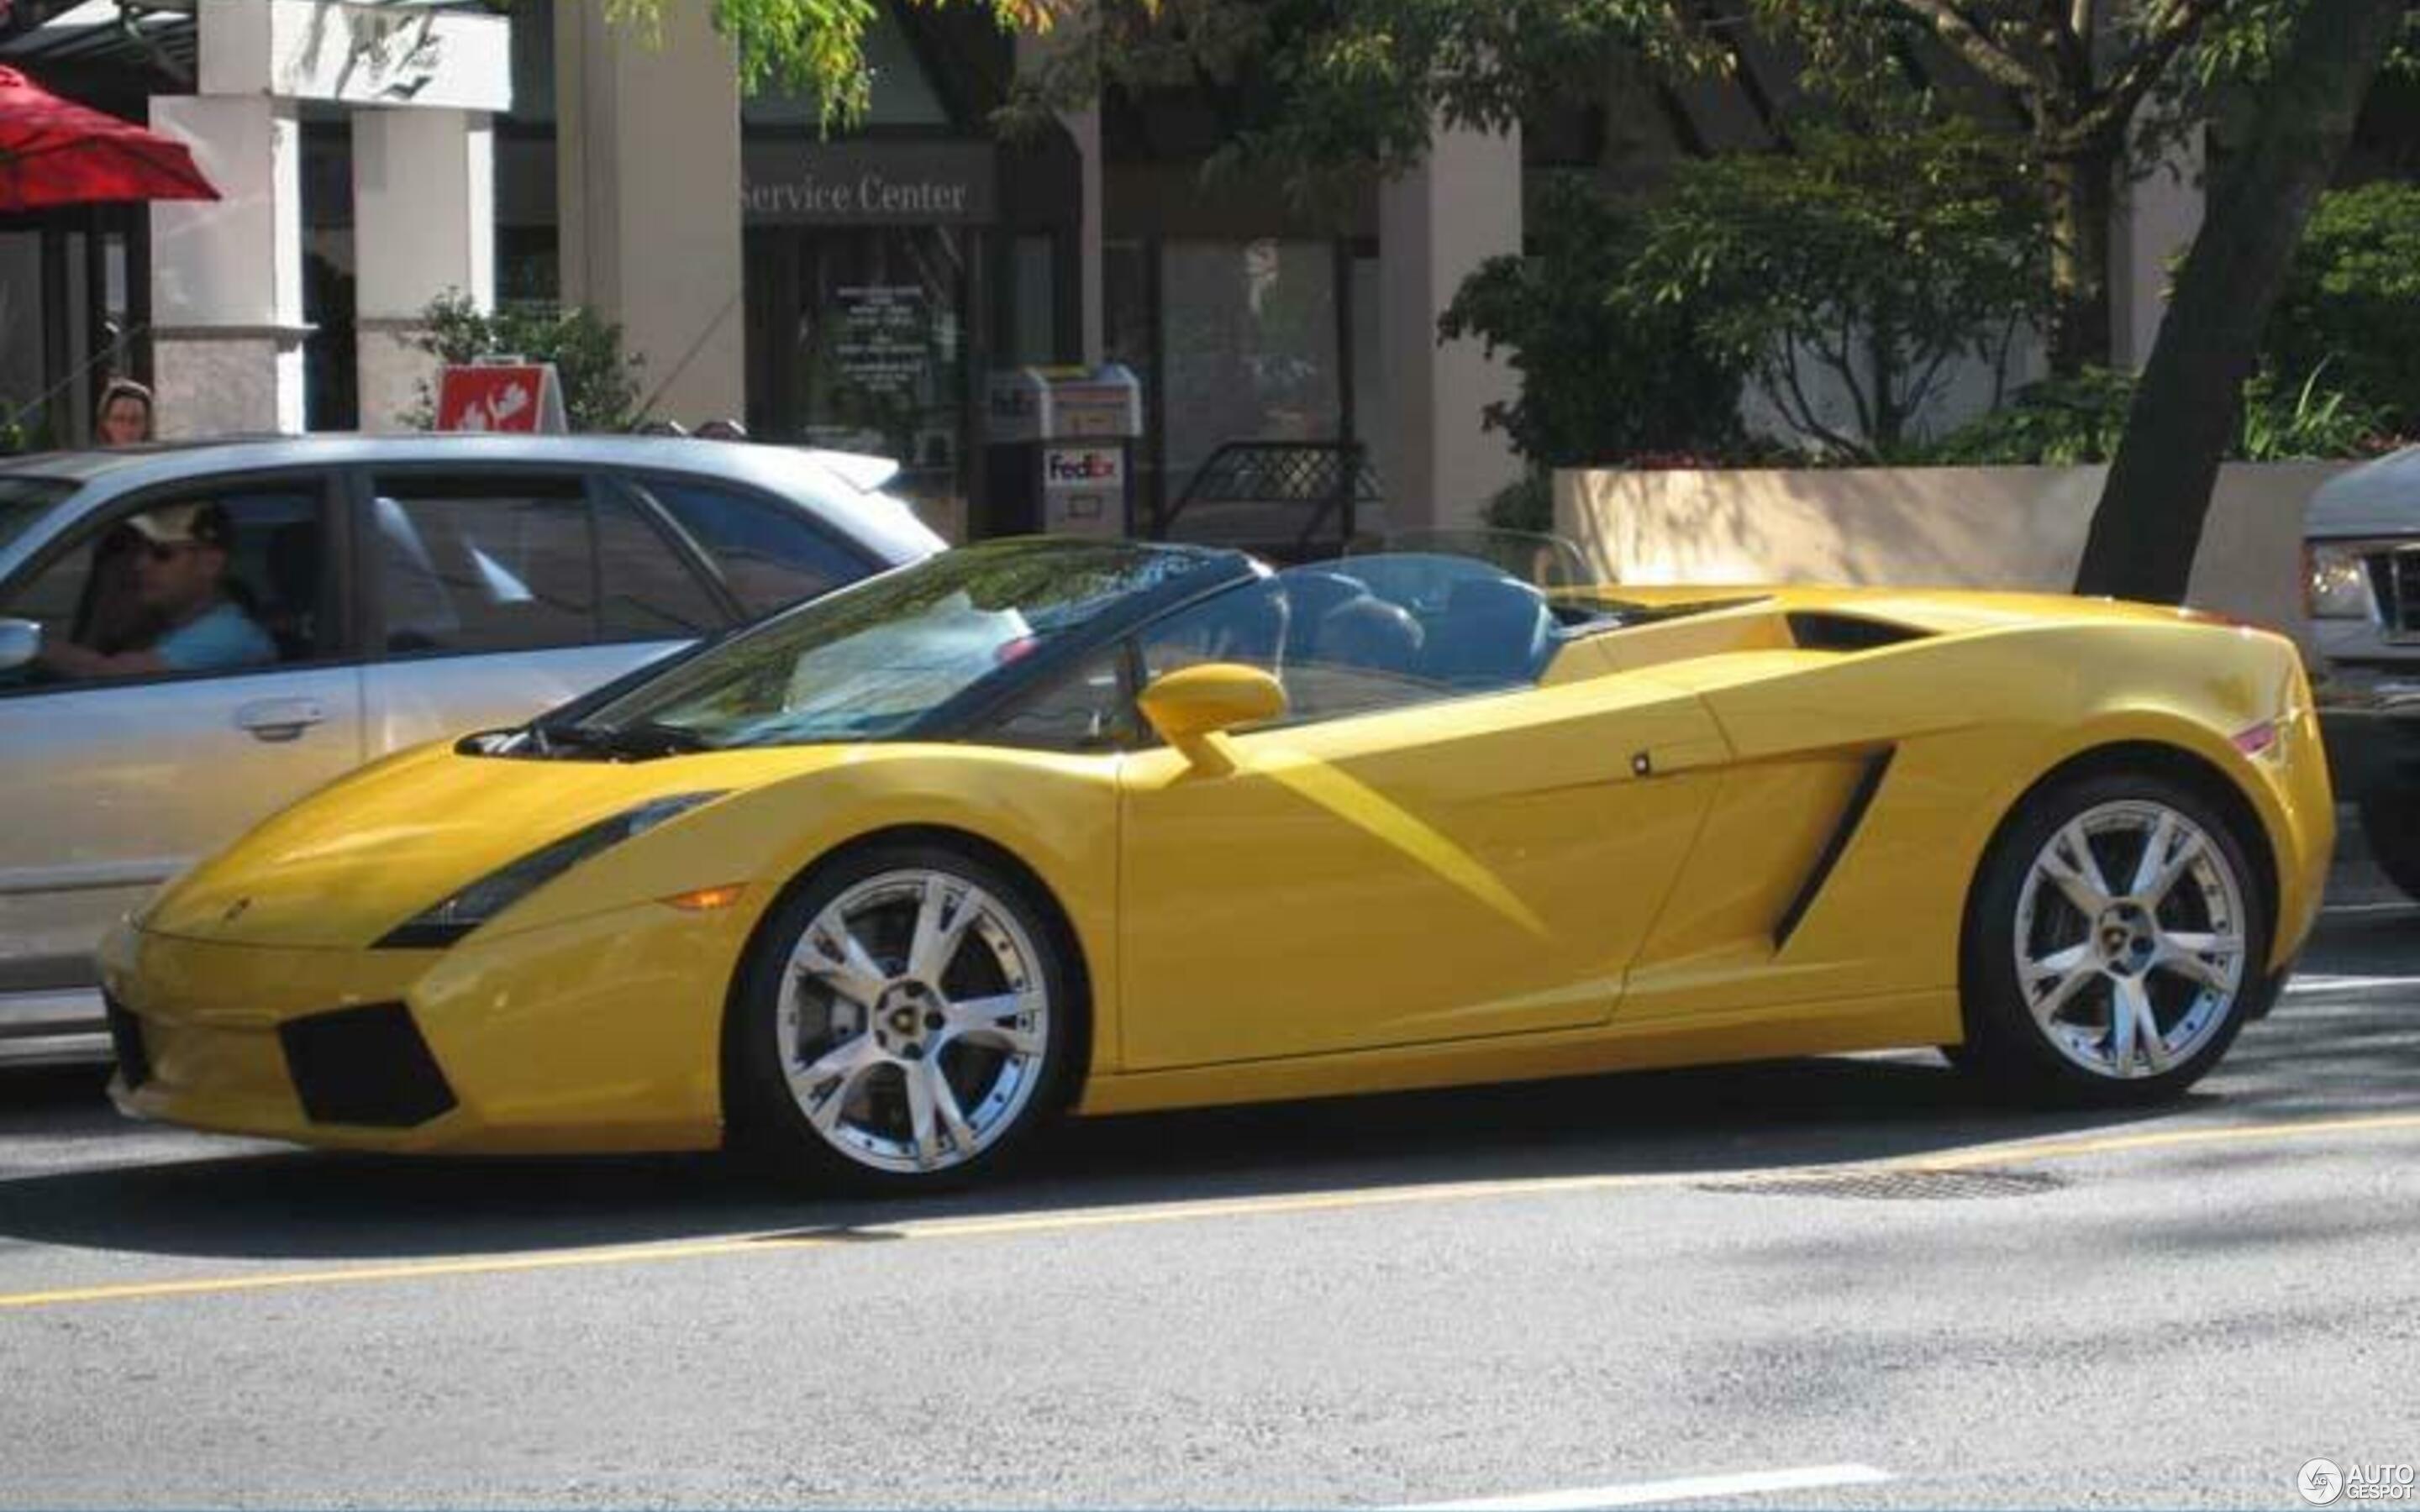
(224, 637)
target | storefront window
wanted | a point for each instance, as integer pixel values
(528, 238)
(21, 338)
(857, 341)
(1250, 343)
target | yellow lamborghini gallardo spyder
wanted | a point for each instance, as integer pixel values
(879, 884)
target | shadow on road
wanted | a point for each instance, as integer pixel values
(2330, 1054)
(280, 1204)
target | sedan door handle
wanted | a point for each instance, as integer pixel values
(280, 718)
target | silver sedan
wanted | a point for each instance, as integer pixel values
(191, 637)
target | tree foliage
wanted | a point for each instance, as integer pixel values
(815, 47)
(1607, 372)
(2148, 525)
(2351, 306)
(1878, 259)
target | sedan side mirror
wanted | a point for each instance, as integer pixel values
(20, 641)
(1188, 705)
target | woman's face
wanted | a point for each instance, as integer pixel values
(125, 422)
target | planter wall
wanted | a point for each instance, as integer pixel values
(2021, 528)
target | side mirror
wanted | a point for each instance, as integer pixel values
(20, 641)
(1183, 706)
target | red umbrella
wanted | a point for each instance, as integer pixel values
(54, 151)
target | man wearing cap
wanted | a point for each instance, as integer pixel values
(180, 583)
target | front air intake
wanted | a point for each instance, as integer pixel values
(364, 1066)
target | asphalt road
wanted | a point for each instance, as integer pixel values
(1843, 1277)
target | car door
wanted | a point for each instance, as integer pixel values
(1415, 859)
(117, 781)
(497, 593)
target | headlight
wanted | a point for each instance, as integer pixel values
(500, 890)
(2338, 582)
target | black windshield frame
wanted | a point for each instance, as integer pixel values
(960, 716)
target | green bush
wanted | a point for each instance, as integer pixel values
(2062, 422)
(1605, 373)
(600, 387)
(2352, 301)
(1880, 257)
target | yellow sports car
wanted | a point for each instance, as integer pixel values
(879, 884)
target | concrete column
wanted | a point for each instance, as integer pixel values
(647, 162)
(1437, 224)
(2156, 219)
(226, 276)
(423, 224)
(1084, 127)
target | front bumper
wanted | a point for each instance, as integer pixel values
(598, 1034)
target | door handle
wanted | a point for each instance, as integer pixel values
(280, 719)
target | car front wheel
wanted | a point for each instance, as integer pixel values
(2117, 944)
(909, 1017)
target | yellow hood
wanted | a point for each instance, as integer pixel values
(351, 862)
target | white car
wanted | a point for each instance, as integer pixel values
(397, 590)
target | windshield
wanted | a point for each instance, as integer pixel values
(24, 500)
(871, 660)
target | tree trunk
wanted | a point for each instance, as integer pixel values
(2148, 524)
(2082, 195)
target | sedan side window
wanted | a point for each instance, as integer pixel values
(499, 562)
(770, 555)
(207, 581)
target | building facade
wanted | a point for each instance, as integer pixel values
(856, 292)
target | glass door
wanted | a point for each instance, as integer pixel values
(858, 341)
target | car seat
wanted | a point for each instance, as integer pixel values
(1310, 596)
(1495, 633)
(1369, 634)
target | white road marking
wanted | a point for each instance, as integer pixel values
(2318, 982)
(1686, 1488)
(2402, 907)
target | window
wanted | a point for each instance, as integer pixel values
(492, 563)
(1088, 708)
(1366, 634)
(770, 555)
(648, 590)
(204, 581)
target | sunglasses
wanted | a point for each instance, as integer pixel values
(168, 551)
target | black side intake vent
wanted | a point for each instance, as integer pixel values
(364, 1065)
(1820, 630)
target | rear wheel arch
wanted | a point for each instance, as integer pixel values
(2158, 758)
(2030, 1044)
(949, 837)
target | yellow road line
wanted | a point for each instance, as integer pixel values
(1078, 1219)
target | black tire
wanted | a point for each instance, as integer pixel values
(768, 1123)
(2007, 1047)
(2391, 827)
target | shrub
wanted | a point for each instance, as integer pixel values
(2063, 422)
(600, 389)
(2352, 301)
(1605, 373)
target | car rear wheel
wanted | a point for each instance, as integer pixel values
(907, 1019)
(2118, 942)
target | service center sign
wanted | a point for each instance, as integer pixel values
(868, 183)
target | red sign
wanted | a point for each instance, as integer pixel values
(521, 397)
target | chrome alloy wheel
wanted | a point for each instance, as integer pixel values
(2130, 939)
(913, 1020)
